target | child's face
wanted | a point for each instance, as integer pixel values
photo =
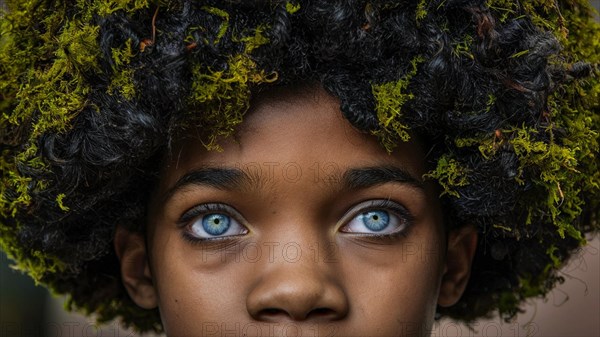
(313, 229)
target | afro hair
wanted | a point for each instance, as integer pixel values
(93, 92)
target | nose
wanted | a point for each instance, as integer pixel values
(301, 291)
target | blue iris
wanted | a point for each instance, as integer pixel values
(216, 224)
(376, 220)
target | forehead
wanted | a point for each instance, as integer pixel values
(289, 128)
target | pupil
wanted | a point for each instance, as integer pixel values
(376, 220)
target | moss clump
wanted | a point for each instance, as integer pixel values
(291, 7)
(421, 10)
(450, 174)
(225, 94)
(43, 71)
(105, 8)
(122, 81)
(556, 172)
(224, 16)
(390, 97)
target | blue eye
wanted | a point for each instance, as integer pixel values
(209, 221)
(215, 224)
(375, 220)
(377, 217)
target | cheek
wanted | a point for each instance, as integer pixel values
(396, 289)
(197, 289)
(396, 284)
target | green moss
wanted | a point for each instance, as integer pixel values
(556, 261)
(519, 54)
(105, 8)
(463, 48)
(389, 99)
(546, 14)
(44, 64)
(450, 174)
(42, 84)
(122, 82)
(13, 181)
(421, 12)
(503, 8)
(292, 8)
(36, 264)
(60, 202)
(565, 170)
(529, 286)
(556, 172)
(508, 303)
(224, 96)
(122, 56)
(122, 78)
(502, 227)
(532, 286)
(223, 15)
(256, 40)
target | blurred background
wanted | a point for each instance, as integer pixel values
(570, 310)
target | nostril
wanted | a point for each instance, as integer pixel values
(315, 314)
(321, 313)
(272, 313)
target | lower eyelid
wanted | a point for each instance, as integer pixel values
(389, 238)
(214, 243)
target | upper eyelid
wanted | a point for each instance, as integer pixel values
(202, 209)
(375, 204)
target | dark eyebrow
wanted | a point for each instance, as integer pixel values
(234, 178)
(365, 177)
(221, 178)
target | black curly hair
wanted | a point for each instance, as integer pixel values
(505, 93)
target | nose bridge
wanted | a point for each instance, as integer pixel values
(298, 283)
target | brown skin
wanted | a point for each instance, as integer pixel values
(297, 258)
